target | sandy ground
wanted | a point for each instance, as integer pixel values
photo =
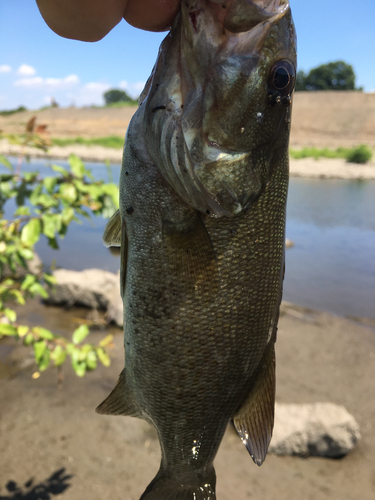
(320, 357)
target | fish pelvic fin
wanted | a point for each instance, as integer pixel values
(254, 419)
(112, 231)
(121, 401)
(165, 486)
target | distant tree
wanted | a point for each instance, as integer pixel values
(332, 76)
(301, 80)
(116, 95)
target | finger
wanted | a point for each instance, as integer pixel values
(151, 15)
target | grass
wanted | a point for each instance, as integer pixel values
(358, 154)
(111, 141)
(122, 104)
(8, 112)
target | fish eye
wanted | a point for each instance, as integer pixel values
(282, 77)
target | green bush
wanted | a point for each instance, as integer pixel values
(360, 154)
(45, 207)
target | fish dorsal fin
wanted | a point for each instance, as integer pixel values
(254, 420)
(190, 253)
(112, 231)
(121, 400)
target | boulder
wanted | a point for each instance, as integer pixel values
(91, 288)
(115, 308)
(320, 429)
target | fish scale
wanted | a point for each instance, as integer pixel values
(202, 249)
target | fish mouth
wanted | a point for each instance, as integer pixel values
(242, 15)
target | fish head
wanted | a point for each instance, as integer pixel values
(219, 101)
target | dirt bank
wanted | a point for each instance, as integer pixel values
(320, 357)
(321, 119)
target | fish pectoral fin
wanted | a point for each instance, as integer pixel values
(112, 231)
(121, 401)
(254, 419)
(190, 253)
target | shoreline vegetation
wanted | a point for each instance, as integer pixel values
(304, 162)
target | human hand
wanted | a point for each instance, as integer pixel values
(91, 20)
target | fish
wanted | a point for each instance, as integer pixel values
(201, 226)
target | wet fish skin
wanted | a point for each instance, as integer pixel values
(202, 228)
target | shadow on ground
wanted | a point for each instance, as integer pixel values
(54, 485)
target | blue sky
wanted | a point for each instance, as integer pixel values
(36, 64)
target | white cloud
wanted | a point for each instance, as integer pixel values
(26, 70)
(133, 89)
(89, 94)
(5, 68)
(48, 83)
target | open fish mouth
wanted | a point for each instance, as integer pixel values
(242, 15)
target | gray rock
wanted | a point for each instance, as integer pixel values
(115, 308)
(90, 288)
(320, 429)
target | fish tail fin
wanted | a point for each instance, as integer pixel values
(200, 486)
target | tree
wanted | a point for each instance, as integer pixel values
(332, 76)
(116, 95)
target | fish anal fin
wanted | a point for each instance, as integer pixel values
(254, 419)
(112, 231)
(121, 401)
(190, 253)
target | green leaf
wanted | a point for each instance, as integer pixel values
(51, 224)
(8, 330)
(59, 355)
(80, 334)
(91, 360)
(10, 314)
(28, 281)
(78, 366)
(103, 356)
(60, 170)
(22, 211)
(34, 197)
(50, 278)
(26, 253)
(50, 183)
(31, 232)
(43, 333)
(5, 177)
(77, 166)
(22, 330)
(37, 289)
(29, 339)
(40, 348)
(106, 341)
(68, 192)
(44, 361)
(18, 296)
(4, 161)
(67, 215)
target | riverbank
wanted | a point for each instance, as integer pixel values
(320, 357)
(328, 168)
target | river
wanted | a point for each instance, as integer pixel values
(331, 222)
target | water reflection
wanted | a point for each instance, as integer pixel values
(332, 265)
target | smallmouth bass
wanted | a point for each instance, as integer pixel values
(201, 227)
